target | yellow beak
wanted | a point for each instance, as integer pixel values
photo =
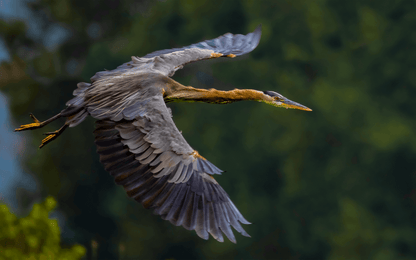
(287, 103)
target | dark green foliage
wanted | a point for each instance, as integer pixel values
(335, 183)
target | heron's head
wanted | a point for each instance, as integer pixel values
(277, 100)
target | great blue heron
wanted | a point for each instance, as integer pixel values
(140, 145)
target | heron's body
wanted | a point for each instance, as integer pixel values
(140, 145)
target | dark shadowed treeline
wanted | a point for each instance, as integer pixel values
(335, 183)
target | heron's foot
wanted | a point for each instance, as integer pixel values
(52, 136)
(36, 124)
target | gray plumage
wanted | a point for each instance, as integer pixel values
(142, 148)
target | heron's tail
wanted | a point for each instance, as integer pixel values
(76, 111)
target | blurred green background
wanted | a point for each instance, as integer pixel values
(335, 183)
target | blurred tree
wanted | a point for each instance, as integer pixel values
(35, 236)
(316, 185)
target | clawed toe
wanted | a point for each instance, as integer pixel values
(36, 124)
(34, 118)
(48, 139)
(27, 127)
(52, 136)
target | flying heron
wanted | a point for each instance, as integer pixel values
(141, 147)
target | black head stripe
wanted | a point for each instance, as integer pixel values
(271, 93)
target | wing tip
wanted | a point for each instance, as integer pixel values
(202, 233)
(258, 28)
(244, 233)
(257, 35)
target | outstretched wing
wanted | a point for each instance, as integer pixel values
(168, 61)
(158, 168)
(235, 44)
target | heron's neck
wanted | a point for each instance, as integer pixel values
(179, 93)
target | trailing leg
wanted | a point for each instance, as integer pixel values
(37, 123)
(52, 135)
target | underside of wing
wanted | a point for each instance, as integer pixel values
(178, 185)
(168, 61)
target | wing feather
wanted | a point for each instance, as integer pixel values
(226, 44)
(149, 157)
(201, 222)
(183, 209)
(177, 185)
(168, 61)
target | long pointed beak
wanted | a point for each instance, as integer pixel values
(287, 103)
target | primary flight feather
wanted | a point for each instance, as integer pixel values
(141, 147)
